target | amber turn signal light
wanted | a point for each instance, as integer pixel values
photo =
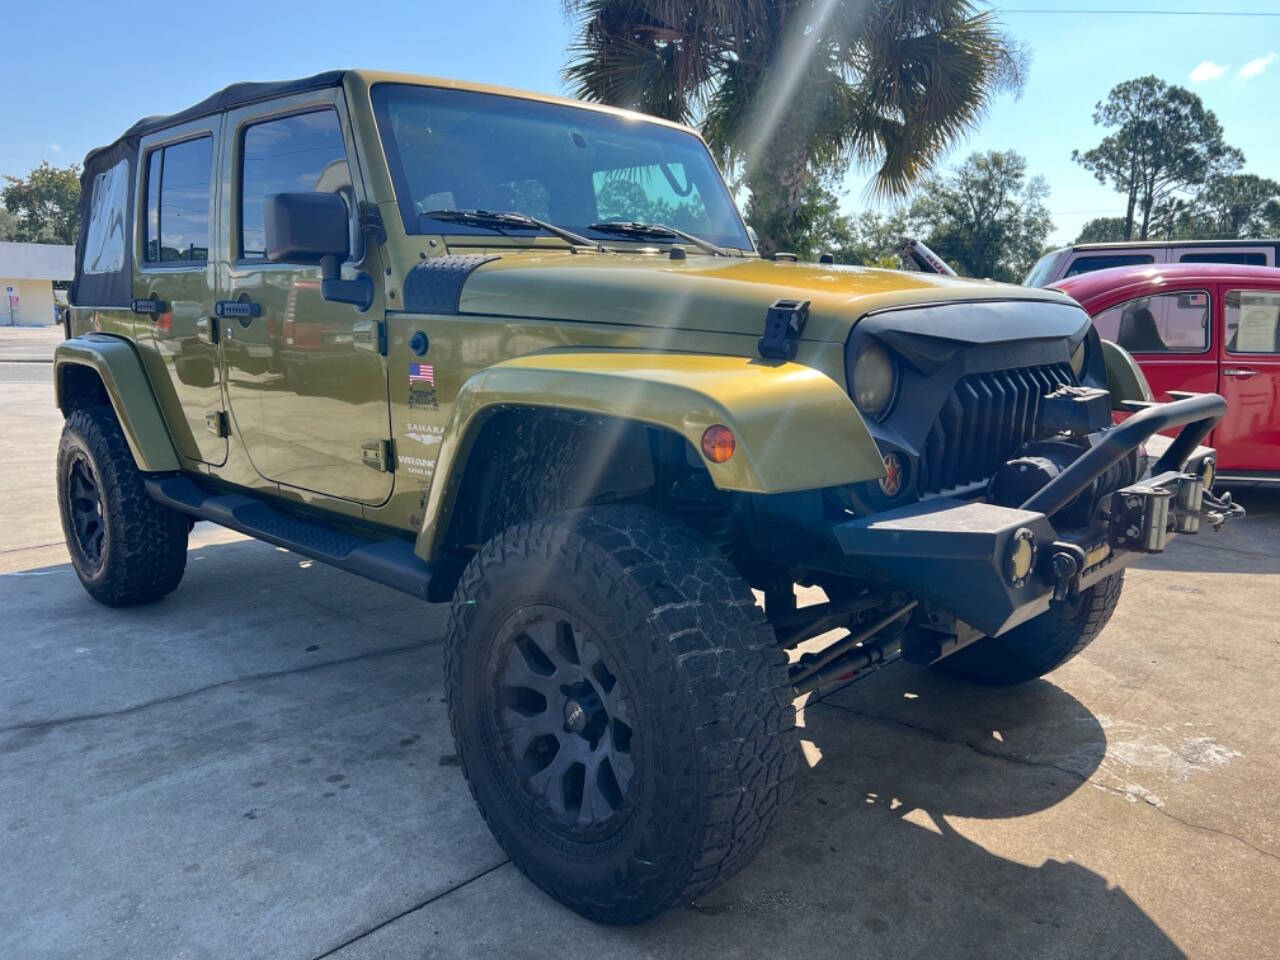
(718, 443)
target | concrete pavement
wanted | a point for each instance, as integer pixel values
(29, 344)
(260, 766)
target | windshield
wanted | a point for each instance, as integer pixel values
(1042, 273)
(462, 150)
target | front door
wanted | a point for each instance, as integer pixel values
(1248, 438)
(307, 390)
(1170, 336)
(174, 284)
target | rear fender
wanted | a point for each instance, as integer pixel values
(795, 427)
(125, 382)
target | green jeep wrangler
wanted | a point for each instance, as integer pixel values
(520, 355)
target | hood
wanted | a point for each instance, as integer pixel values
(714, 294)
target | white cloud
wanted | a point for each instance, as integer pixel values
(1257, 65)
(1207, 70)
(55, 147)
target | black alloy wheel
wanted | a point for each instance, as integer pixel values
(563, 718)
(84, 497)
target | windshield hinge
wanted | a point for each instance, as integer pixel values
(378, 454)
(371, 222)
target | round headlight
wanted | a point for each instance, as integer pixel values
(1077, 357)
(873, 380)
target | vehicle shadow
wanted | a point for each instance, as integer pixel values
(872, 858)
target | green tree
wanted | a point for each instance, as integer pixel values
(1102, 230)
(789, 92)
(8, 225)
(871, 239)
(1232, 206)
(45, 204)
(986, 217)
(1163, 142)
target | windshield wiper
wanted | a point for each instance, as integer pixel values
(496, 221)
(633, 228)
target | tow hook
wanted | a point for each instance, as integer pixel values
(1218, 510)
(1065, 564)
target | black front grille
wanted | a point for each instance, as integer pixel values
(983, 423)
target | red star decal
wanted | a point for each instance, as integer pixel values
(891, 483)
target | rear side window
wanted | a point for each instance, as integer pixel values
(297, 154)
(108, 208)
(1247, 259)
(1253, 321)
(1175, 322)
(177, 226)
(1089, 264)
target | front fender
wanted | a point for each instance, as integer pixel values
(1125, 378)
(796, 428)
(120, 369)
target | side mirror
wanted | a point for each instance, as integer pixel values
(315, 229)
(307, 228)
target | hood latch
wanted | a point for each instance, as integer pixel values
(783, 325)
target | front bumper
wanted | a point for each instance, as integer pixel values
(994, 567)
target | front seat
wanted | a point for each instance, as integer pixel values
(1138, 332)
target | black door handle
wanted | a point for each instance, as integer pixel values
(237, 308)
(151, 306)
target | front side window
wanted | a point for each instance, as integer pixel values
(463, 150)
(1089, 264)
(1253, 321)
(1165, 323)
(177, 227)
(297, 154)
(104, 240)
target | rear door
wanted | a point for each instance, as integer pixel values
(305, 381)
(1248, 439)
(174, 280)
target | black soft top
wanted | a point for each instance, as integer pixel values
(236, 95)
(113, 287)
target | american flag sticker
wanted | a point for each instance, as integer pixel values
(422, 373)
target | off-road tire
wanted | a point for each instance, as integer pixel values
(143, 545)
(1042, 644)
(714, 726)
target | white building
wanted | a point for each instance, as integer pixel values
(27, 273)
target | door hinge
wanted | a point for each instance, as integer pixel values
(379, 455)
(207, 329)
(370, 336)
(218, 423)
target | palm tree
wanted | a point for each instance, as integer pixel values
(788, 92)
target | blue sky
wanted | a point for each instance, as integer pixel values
(87, 69)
